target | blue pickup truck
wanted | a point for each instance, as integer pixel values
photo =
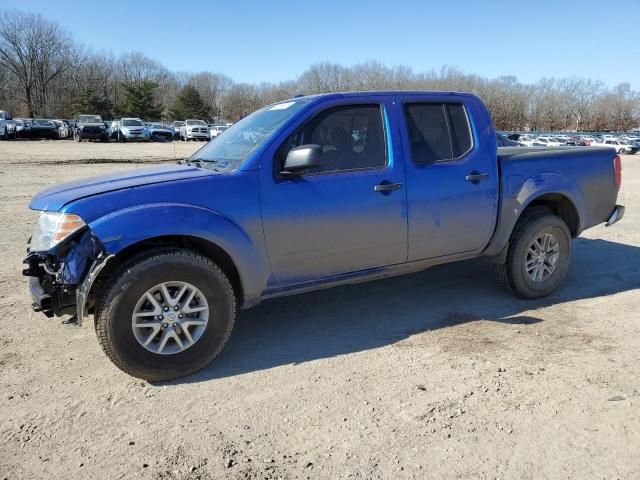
(309, 193)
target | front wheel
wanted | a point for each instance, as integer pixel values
(166, 316)
(77, 137)
(538, 256)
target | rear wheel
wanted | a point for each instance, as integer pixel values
(538, 256)
(166, 315)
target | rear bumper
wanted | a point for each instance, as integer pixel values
(616, 215)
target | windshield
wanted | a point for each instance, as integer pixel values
(46, 123)
(233, 146)
(131, 123)
(195, 122)
(90, 119)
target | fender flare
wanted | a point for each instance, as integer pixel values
(519, 193)
(123, 228)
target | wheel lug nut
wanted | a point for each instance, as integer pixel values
(176, 308)
(166, 309)
(180, 316)
(160, 317)
(165, 325)
(175, 324)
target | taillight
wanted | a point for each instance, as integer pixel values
(617, 169)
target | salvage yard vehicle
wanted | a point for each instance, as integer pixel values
(159, 132)
(7, 126)
(286, 201)
(90, 127)
(216, 130)
(63, 128)
(176, 129)
(41, 128)
(130, 130)
(194, 130)
(618, 146)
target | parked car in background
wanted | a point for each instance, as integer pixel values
(216, 130)
(546, 142)
(7, 126)
(176, 129)
(620, 147)
(521, 138)
(23, 127)
(194, 130)
(130, 129)
(160, 133)
(276, 206)
(63, 128)
(503, 141)
(41, 128)
(90, 127)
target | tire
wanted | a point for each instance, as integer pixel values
(513, 274)
(116, 305)
(77, 137)
(5, 135)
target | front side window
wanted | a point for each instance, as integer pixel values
(352, 137)
(437, 131)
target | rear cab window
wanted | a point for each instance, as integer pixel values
(437, 131)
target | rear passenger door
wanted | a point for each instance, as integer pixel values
(452, 179)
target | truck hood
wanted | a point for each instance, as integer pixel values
(56, 197)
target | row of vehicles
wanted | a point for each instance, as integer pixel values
(623, 144)
(93, 127)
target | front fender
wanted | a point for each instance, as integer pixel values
(517, 195)
(122, 228)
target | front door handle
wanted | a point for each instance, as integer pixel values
(387, 187)
(475, 177)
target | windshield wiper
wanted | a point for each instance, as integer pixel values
(200, 162)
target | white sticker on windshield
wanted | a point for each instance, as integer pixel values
(282, 106)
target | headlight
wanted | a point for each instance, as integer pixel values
(52, 228)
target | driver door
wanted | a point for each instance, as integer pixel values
(342, 216)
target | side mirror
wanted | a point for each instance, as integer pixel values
(300, 159)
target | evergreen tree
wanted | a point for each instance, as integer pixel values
(140, 101)
(90, 103)
(189, 104)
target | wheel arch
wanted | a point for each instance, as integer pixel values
(555, 192)
(143, 248)
(562, 206)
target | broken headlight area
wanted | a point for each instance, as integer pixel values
(56, 277)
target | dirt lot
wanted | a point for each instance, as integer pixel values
(434, 375)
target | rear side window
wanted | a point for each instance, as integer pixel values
(437, 131)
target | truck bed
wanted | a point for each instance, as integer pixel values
(584, 176)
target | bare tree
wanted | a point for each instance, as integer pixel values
(36, 51)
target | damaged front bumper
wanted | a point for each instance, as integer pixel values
(60, 283)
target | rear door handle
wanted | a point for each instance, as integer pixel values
(475, 177)
(387, 187)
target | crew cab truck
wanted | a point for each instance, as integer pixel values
(289, 200)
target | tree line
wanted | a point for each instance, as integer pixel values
(45, 73)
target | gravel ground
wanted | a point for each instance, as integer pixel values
(433, 375)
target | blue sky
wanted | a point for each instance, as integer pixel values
(256, 41)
